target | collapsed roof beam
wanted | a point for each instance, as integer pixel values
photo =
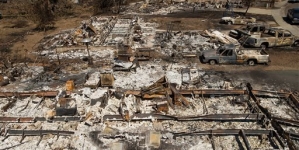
(34, 119)
(275, 124)
(233, 132)
(183, 92)
(212, 117)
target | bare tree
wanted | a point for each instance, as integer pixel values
(100, 6)
(119, 3)
(248, 4)
(42, 12)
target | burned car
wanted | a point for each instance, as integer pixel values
(273, 37)
(251, 29)
(237, 20)
(231, 54)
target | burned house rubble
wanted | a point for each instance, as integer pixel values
(141, 91)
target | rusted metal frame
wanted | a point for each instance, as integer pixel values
(11, 132)
(34, 119)
(243, 135)
(9, 104)
(62, 119)
(183, 92)
(152, 90)
(12, 101)
(234, 92)
(23, 135)
(283, 134)
(294, 100)
(178, 97)
(212, 141)
(27, 94)
(139, 117)
(205, 109)
(208, 92)
(224, 132)
(274, 134)
(294, 136)
(212, 92)
(17, 119)
(25, 106)
(232, 132)
(286, 121)
(40, 132)
(223, 117)
(270, 93)
(252, 107)
(274, 123)
(212, 117)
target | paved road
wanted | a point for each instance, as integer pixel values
(271, 79)
(278, 13)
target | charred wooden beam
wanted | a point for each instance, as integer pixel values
(214, 117)
(28, 94)
(17, 119)
(139, 117)
(34, 119)
(274, 122)
(232, 132)
(224, 132)
(9, 104)
(223, 117)
(205, 92)
(294, 100)
(292, 135)
(178, 97)
(286, 121)
(208, 92)
(243, 135)
(11, 132)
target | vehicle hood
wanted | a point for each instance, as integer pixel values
(244, 31)
(226, 18)
(234, 31)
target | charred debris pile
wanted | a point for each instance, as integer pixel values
(139, 91)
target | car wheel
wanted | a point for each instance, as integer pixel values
(296, 44)
(251, 62)
(291, 22)
(263, 46)
(212, 62)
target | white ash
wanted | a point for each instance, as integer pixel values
(278, 107)
(93, 79)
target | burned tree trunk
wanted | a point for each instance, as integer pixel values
(248, 5)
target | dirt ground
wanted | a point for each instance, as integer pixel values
(19, 37)
(199, 20)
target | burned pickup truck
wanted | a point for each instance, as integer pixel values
(271, 38)
(231, 54)
(251, 29)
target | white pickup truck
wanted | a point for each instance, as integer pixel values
(273, 37)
